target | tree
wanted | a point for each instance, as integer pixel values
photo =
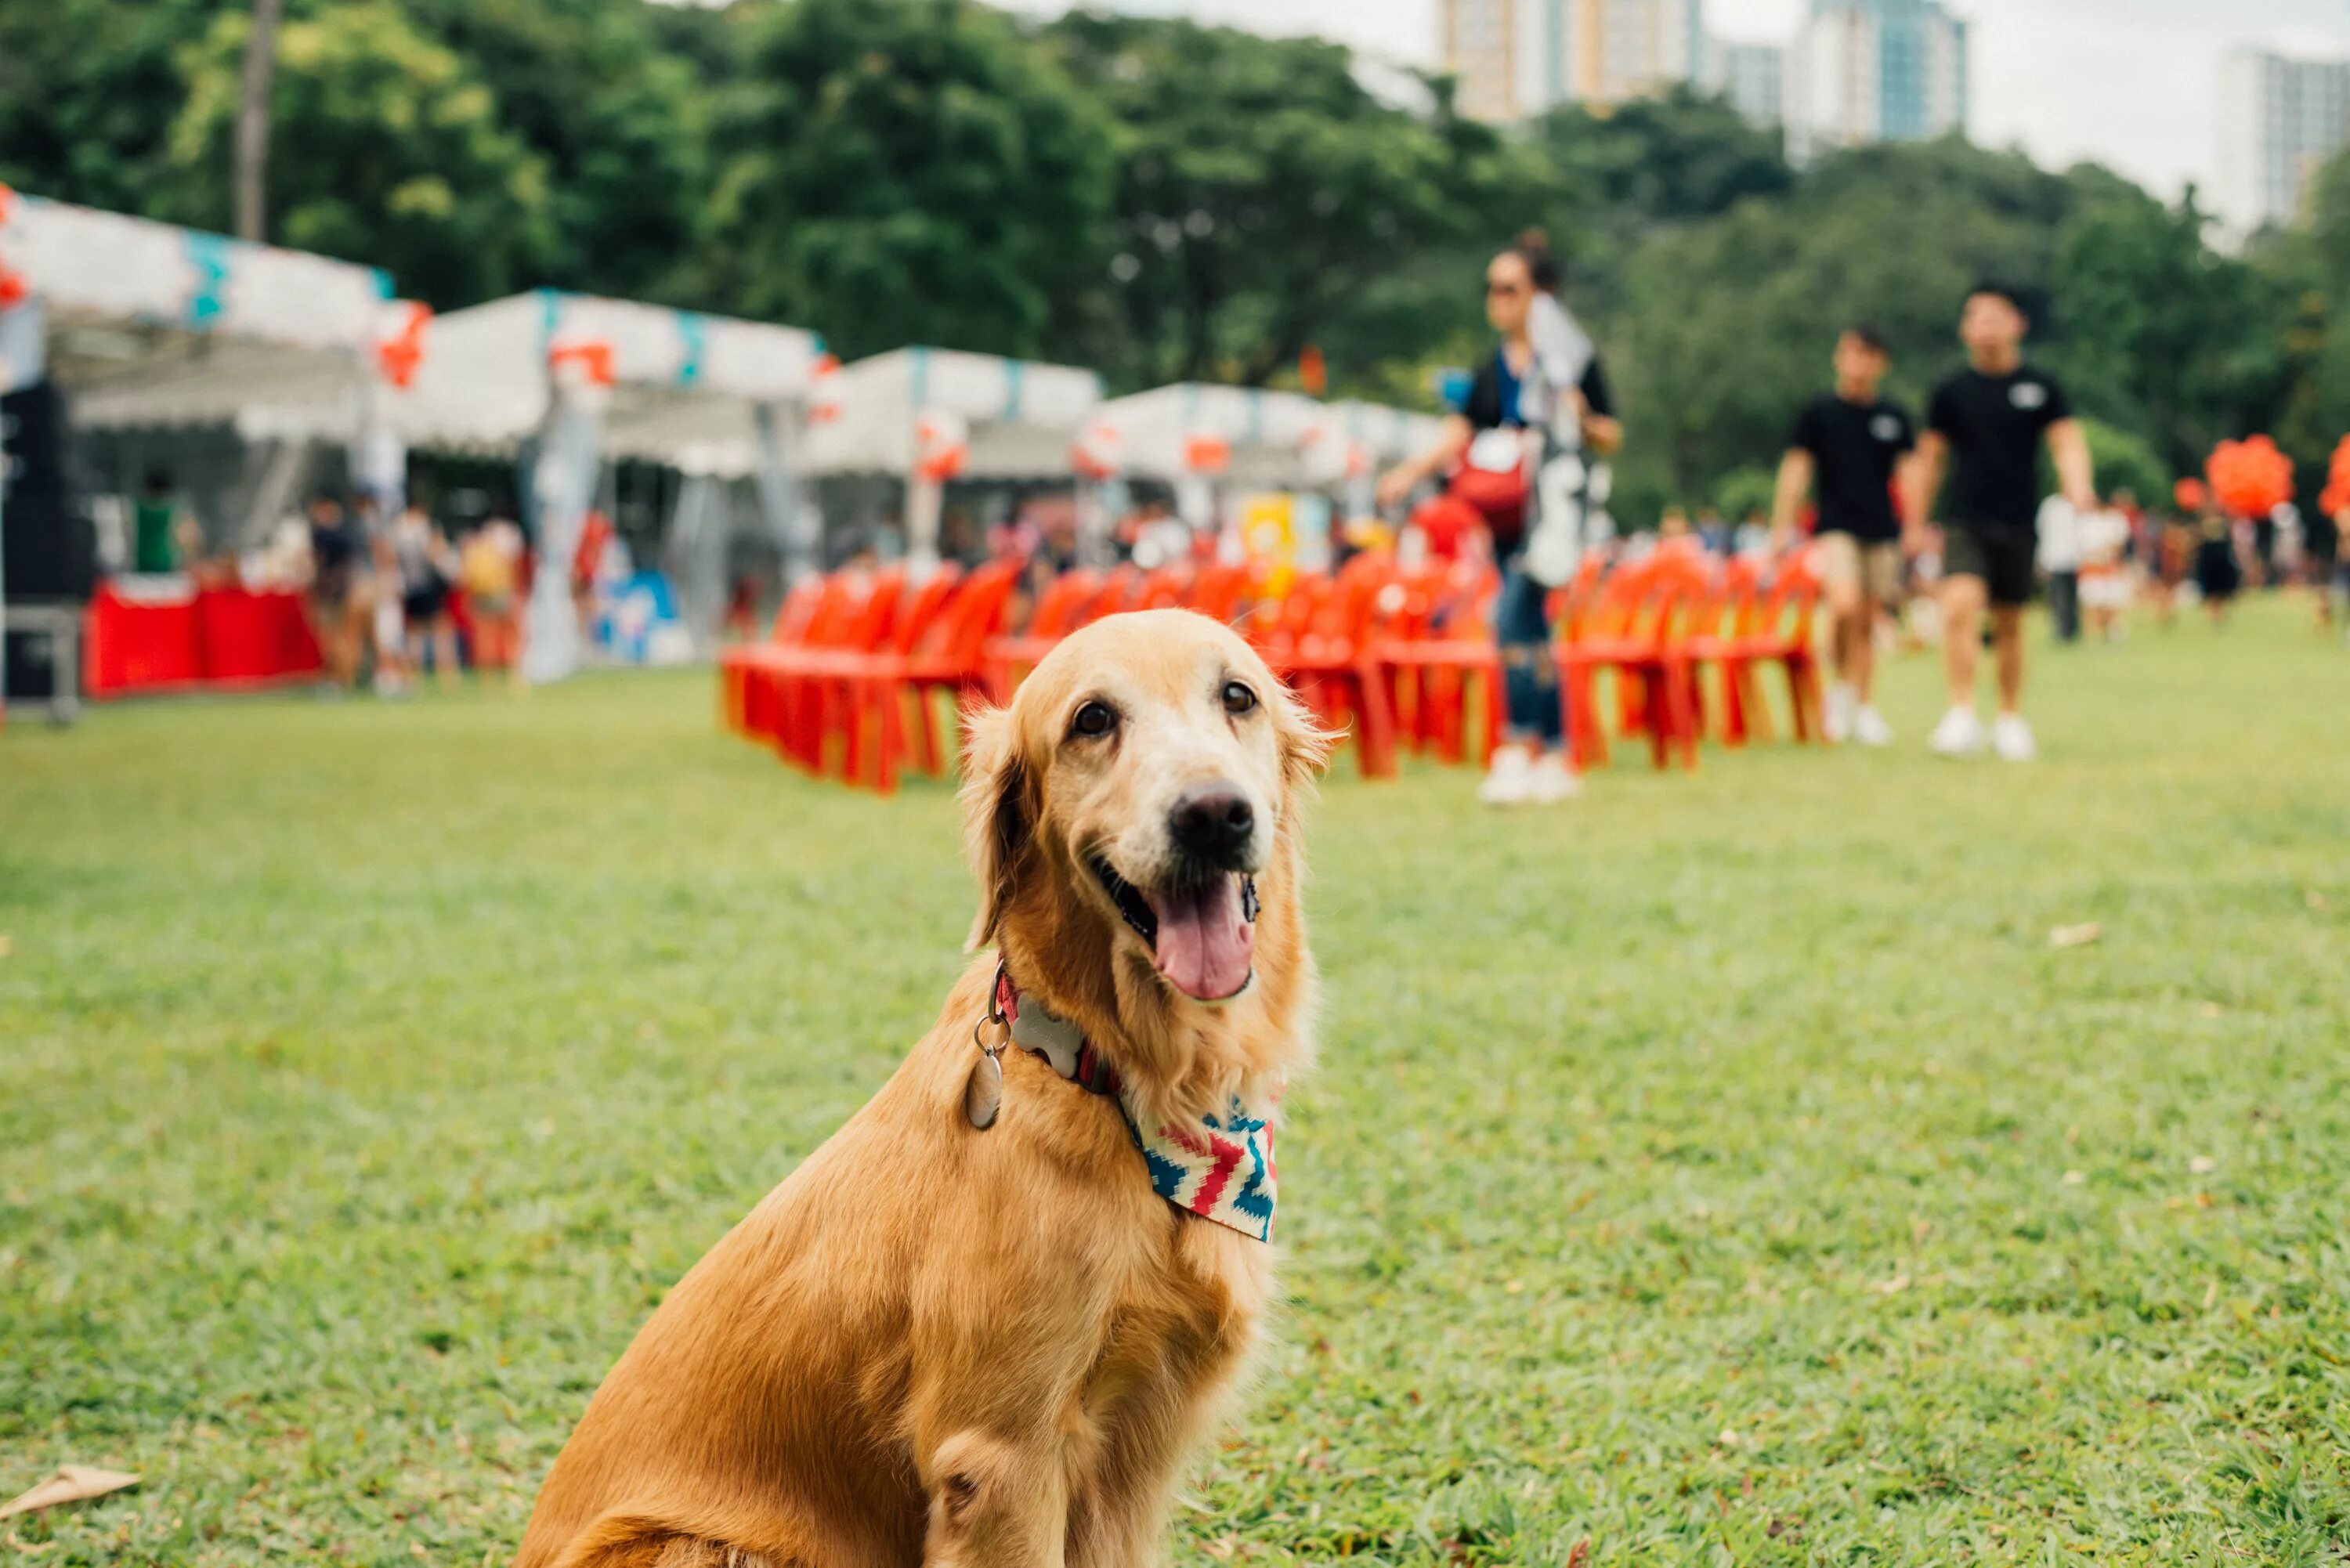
(617, 117)
(1265, 196)
(2159, 332)
(906, 171)
(401, 162)
(253, 120)
(88, 89)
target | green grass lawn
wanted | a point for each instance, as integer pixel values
(1726, 1167)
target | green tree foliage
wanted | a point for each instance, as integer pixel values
(1265, 196)
(907, 171)
(88, 89)
(2126, 461)
(603, 96)
(392, 154)
(2161, 333)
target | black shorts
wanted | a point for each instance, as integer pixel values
(424, 602)
(2002, 557)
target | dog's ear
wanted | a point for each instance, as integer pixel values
(1305, 743)
(997, 820)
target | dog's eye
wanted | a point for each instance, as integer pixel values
(1093, 719)
(1237, 699)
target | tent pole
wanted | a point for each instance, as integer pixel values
(563, 487)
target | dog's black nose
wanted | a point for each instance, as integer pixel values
(1213, 824)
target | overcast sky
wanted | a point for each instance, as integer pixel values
(2130, 83)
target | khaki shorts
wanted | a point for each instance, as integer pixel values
(1876, 567)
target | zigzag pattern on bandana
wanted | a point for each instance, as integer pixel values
(1222, 1170)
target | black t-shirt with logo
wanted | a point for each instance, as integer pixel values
(1995, 425)
(1855, 448)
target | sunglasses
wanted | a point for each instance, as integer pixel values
(1505, 290)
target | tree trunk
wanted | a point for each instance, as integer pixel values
(253, 120)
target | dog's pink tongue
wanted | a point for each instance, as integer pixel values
(1206, 943)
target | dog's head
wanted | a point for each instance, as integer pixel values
(1134, 807)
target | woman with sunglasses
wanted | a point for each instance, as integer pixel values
(1534, 402)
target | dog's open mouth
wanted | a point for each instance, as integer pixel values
(1202, 936)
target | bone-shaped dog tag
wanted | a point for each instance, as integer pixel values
(982, 1092)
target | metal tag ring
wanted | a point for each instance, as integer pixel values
(1003, 1034)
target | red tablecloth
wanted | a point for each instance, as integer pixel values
(195, 639)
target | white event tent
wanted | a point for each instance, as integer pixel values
(149, 325)
(930, 415)
(145, 322)
(592, 379)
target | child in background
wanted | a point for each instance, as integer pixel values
(489, 568)
(2104, 575)
(2218, 573)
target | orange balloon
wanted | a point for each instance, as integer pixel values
(2250, 478)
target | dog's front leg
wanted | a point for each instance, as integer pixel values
(995, 1504)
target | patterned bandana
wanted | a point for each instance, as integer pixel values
(1221, 1169)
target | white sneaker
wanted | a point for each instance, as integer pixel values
(1554, 780)
(1869, 728)
(1837, 720)
(1511, 779)
(1959, 735)
(2010, 738)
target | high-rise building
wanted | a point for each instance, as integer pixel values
(2280, 120)
(1519, 58)
(1875, 70)
(1752, 77)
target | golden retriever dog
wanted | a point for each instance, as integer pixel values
(988, 1321)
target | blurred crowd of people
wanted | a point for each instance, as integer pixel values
(396, 601)
(392, 600)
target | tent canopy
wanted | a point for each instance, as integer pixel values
(1387, 435)
(681, 389)
(1241, 435)
(152, 324)
(954, 414)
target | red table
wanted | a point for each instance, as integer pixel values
(194, 640)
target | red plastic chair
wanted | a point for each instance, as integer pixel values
(1060, 610)
(1780, 632)
(1438, 651)
(1323, 644)
(1719, 634)
(1218, 589)
(947, 656)
(1630, 630)
(810, 703)
(820, 617)
(739, 668)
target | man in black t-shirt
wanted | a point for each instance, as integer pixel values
(1851, 442)
(1990, 418)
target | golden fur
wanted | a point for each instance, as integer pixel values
(936, 1345)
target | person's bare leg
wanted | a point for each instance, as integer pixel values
(2007, 642)
(1860, 659)
(1962, 609)
(1847, 612)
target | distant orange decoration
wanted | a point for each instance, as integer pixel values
(399, 354)
(1206, 454)
(14, 289)
(588, 362)
(2337, 499)
(1100, 450)
(2190, 495)
(2250, 478)
(1313, 372)
(942, 446)
(824, 391)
